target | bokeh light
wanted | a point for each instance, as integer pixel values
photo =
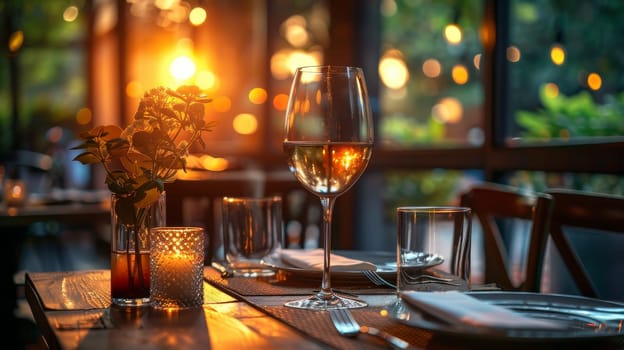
(258, 96)
(432, 68)
(448, 110)
(453, 34)
(460, 74)
(393, 70)
(197, 16)
(245, 124)
(182, 68)
(594, 81)
(557, 54)
(513, 54)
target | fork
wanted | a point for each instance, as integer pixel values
(377, 280)
(428, 278)
(374, 277)
(347, 326)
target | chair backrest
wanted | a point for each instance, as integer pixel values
(302, 211)
(591, 212)
(493, 204)
(195, 200)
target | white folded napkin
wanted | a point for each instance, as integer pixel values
(312, 259)
(458, 308)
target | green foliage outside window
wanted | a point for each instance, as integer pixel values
(573, 116)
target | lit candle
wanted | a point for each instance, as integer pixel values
(176, 267)
(14, 192)
(180, 271)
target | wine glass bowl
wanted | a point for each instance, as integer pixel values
(328, 141)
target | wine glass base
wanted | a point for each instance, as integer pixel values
(332, 301)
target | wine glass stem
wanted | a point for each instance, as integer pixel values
(327, 203)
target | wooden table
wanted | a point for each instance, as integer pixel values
(74, 320)
(70, 213)
(72, 309)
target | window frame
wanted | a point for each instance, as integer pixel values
(494, 157)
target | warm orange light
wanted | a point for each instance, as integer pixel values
(453, 34)
(215, 163)
(182, 68)
(16, 40)
(83, 117)
(513, 54)
(594, 81)
(221, 104)
(460, 74)
(206, 80)
(295, 32)
(280, 101)
(393, 71)
(258, 96)
(134, 89)
(245, 124)
(301, 58)
(70, 14)
(197, 16)
(304, 107)
(432, 68)
(448, 110)
(557, 54)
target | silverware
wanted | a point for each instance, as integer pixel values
(347, 326)
(597, 314)
(426, 278)
(430, 278)
(374, 277)
(225, 271)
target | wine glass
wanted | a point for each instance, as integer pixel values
(328, 141)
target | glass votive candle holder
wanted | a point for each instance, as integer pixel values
(176, 267)
(15, 192)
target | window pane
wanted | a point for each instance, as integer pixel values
(380, 193)
(430, 81)
(565, 70)
(5, 106)
(53, 90)
(43, 79)
(300, 37)
(541, 181)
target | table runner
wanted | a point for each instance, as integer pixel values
(287, 284)
(317, 324)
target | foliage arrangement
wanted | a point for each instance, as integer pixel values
(573, 116)
(148, 153)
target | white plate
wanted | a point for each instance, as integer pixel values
(581, 317)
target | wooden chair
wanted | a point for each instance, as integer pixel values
(302, 210)
(493, 205)
(594, 214)
(195, 200)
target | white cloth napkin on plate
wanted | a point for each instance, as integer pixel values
(312, 259)
(458, 308)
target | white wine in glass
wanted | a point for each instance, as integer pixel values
(328, 141)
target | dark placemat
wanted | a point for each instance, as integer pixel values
(287, 284)
(317, 324)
